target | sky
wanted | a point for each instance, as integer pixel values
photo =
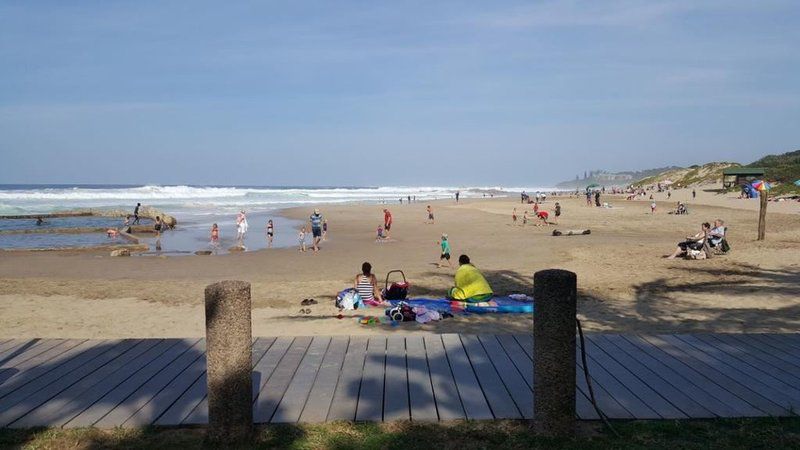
(390, 93)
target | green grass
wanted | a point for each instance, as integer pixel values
(765, 433)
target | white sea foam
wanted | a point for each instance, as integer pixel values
(201, 199)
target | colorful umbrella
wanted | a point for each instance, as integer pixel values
(761, 185)
(593, 185)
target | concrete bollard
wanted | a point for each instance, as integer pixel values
(555, 297)
(229, 361)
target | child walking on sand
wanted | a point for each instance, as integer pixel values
(445, 256)
(653, 208)
(380, 237)
(514, 217)
(525, 218)
(430, 215)
(557, 211)
(301, 238)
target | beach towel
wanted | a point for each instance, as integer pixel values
(498, 305)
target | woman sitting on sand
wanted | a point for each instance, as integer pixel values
(695, 242)
(366, 284)
(470, 284)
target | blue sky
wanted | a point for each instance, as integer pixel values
(366, 93)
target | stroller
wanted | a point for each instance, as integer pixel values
(397, 290)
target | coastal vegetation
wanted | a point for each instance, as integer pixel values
(781, 170)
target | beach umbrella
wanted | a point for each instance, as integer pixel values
(593, 185)
(761, 185)
(797, 183)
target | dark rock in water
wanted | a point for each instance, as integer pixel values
(203, 252)
(237, 248)
(121, 252)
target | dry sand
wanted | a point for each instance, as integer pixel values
(624, 283)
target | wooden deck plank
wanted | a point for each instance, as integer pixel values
(521, 393)
(521, 359)
(321, 395)
(166, 397)
(370, 397)
(448, 402)
(754, 378)
(713, 396)
(345, 397)
(73, 400)
(294, 399)
(145, 393)
(522, 346)
(199, 415)
(705, 365)
(422, 403)
(122, 391)
(787, 339)
(776, 367)
(606, 401)
(472, 395)
(45, 367)
(777, 357)
(13, 347)
(270, 396)
(498, 397)
(601, 354)
(396, 395)
(783, 350)
(35, 362)
(266, 366)
(655, 375)
(34, 394)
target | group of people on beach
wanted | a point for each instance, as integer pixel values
(704, 243)
(242, 227)
(542, 216)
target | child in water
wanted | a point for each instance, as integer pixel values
(214, 235)
(301, 238)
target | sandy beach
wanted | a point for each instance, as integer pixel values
(624, 283)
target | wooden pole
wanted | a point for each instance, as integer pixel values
(762, 215)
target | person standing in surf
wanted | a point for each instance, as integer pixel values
(136, 214)
(270, 233)
(316, 229)
(241, 227)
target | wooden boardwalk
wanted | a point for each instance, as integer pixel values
(136, 382)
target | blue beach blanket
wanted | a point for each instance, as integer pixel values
(497, 305)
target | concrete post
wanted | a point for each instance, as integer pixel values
(555, 300)
(228, 357)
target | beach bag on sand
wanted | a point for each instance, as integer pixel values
(696, 254)
(349, 299)
(397, 290)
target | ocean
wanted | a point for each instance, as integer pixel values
(197, 207)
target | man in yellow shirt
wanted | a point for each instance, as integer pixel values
(470, 286)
